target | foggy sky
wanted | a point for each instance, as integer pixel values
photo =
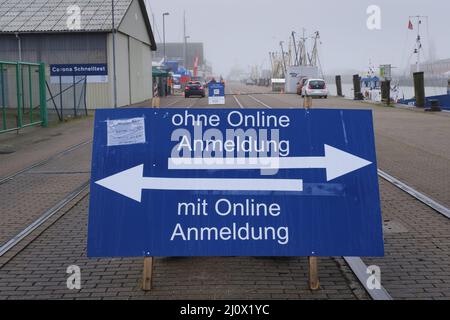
(244, 31)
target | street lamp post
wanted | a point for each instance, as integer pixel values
(164, 34)
(185, 51)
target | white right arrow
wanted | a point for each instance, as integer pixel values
(336, 162)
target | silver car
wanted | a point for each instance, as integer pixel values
(315, 88)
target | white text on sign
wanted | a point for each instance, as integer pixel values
(224, 207)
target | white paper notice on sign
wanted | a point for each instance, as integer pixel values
(126, 131)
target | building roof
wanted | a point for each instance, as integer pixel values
(47, 16)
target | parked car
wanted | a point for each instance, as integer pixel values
(301, 84)
(194, 88)
(201, 80)
(315, 88)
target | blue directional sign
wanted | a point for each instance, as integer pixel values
(226, 182)
(216, 93)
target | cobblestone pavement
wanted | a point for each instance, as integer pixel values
(417, 247)
(417, 244)
(35, 144)
(412, 146)
(25, 197)
(417, 239)
(39, 271)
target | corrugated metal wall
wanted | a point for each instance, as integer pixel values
(55, 48)
(133, 61)
(123, 82)
(134, 69)
(140, 71)
(64, 48)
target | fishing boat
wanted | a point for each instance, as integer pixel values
(371, 86)
(441, 100)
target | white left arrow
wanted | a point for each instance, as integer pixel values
(131, 182)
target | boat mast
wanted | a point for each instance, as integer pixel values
(303, 50)
(283, 58)
(295, 48)
(418, 47)
(314, 52)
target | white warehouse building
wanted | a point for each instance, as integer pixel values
(67, 37)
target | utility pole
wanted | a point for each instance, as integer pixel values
(184, 41)
(114, 55)
(418, 47)
(164, 34)
(186, 52)
(271, 64)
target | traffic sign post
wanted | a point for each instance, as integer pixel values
(216, 93)
(225, 182)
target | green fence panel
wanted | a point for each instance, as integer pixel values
(33, 87)
(2, 90)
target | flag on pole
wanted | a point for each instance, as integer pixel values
(410, 25)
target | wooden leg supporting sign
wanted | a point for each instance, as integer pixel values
(156, 102)
(313, 274)
(307, 102)
(147, 275)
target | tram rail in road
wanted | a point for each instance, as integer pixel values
(356, 264)
(44, 216)
(45, 161)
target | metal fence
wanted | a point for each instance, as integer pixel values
(22, 95)
(67, 96)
